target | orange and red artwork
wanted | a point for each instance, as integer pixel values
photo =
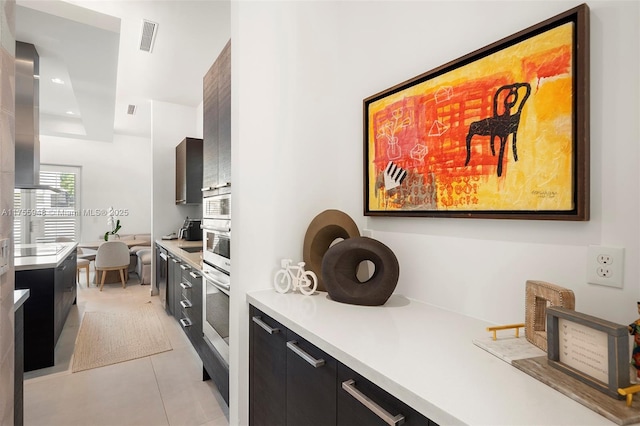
(494, 134)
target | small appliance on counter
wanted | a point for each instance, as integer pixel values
(191, 230)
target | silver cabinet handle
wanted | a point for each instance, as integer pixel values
(293, 345)
(350, 387)
(208, 188)
(194, 275)
(264, 325)
(184, 267)
(186, 322)
(174, 260)
(163, 256)
(186, 304)
(186, 286)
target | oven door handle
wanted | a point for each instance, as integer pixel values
(226, 230)
(216, 283)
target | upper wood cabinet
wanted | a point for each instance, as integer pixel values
(217, 122)
(189, 171)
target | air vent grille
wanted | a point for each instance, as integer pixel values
(148, 35)
(131, 109)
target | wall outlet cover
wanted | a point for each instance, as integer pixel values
(605, 266)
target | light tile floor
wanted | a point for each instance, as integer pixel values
(162, 389)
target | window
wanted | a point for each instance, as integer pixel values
(46, 216)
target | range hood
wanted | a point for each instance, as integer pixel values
(27, 167)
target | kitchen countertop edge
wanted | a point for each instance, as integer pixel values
(175, 247)
(19, 297)
(44, 262)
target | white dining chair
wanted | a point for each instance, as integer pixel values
(112, 256)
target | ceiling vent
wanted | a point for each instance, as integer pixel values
(148, 35)
(131, 109)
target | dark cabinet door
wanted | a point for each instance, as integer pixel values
(189, 171)
(217, 122)
(181, 173)
(267, 370)
(311, 384)
(360, 402)
(161, 274)
(210, 127)
(191, 305)
(171, 283)
(195, 312)
(58, 300)
(224, 116)
(178, 289)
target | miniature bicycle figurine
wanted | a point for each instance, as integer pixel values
(306, 281)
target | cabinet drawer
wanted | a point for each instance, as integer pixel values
(268, 369)
(361, 402)
(306, 364)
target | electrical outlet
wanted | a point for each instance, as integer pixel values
(605, 266)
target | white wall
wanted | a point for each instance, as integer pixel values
(170, 124)
(300, 71)
(116, 174)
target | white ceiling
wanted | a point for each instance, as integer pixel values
(93, 45)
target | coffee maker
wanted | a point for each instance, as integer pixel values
(191, 230)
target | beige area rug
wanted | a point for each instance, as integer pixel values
(107, 338)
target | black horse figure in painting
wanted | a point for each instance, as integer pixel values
(503, 123)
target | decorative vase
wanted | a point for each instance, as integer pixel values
(112, 237)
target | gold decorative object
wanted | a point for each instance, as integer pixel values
(494, 329)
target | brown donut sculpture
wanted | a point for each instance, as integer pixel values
(340, 267)
(325, 229)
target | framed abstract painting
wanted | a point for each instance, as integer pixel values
(502, 132)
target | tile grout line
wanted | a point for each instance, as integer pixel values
(155, 375)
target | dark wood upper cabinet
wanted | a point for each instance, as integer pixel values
(217, 122)
(189, 164)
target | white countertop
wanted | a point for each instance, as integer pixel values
(425, 356)
(43, 262)
(19, 297)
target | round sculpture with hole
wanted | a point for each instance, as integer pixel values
(326, 229)
(340, 272)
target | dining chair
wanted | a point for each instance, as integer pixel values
(84, 258)
(112, 256)
(83, 264)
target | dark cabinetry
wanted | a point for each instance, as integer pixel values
(267, 370)
(189, 164)
(361, 402)
(52, 293)
(162, 267)
(190, 305)
(174, 276)
(292, 382)
(306, 364)
(185, 302)
(217, 122)
(18, 383)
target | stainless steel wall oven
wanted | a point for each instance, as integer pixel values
(216, 267)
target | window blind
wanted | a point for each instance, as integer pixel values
(47, 216)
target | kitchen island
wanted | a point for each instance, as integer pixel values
(48, 271)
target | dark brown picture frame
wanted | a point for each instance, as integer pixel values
(412, 167)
